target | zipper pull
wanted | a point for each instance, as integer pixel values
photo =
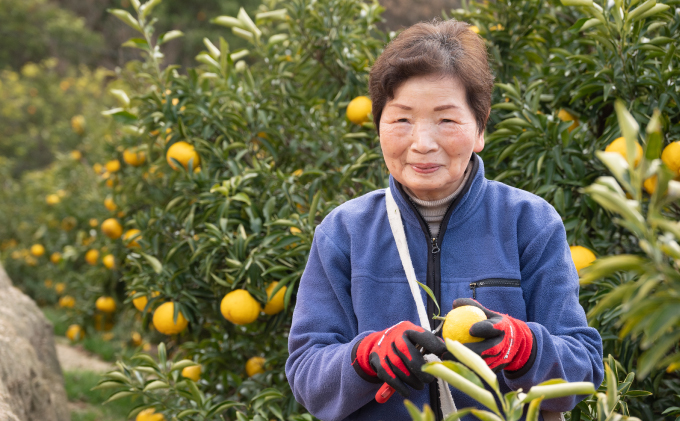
(473, 287)
(435, 247)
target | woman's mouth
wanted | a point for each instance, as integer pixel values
(425, 168)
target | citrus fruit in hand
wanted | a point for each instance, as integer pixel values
(274, 304)
(358, 109)
(163, 319)
(581, 256)
(105, 304)
(239, 307)
(192, 372)
(183, 153)
(254, 366)
(619, 146)
(671, 157)
(458, 322)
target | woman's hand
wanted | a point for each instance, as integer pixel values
(508, 343)
(391, 356)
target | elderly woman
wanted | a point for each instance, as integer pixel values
(472, 241)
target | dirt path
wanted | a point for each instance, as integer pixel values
(75, 358)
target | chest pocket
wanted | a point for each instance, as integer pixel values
(500, 295)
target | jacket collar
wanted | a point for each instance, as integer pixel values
(472, 195)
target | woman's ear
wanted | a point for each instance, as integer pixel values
(479, 142)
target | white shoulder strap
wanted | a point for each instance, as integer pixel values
(394, 216)
(397, 225)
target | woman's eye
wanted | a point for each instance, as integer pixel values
(446, 120)
(402, 120)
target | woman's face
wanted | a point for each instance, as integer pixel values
(427, 135)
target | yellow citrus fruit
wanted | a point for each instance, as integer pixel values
(163, 319)
(183, 153)
(255, 365)
(650, 184)
(359, 109)
(48, 283)
(110, 204)
(565, 115)
(109, 261)
(295, 230)
(93, 222)
(112, 228)
(671, 157)
(134, 158)
(76, 155)
(274, 304)
(140, 302)
(92, 256)
(239, 307)
(67, 301)
(474, 29)
(136, 339)
(55, 257)
(59, 287)
(75, 333)
(149, 415)
(52, 199)
(458, 322)
(37, 250)
(192, 372)
(105, 304)
(112, 166)
(97, 167)
(619, 146)
(581, 256)
(131, 236)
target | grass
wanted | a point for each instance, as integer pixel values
(89, 402)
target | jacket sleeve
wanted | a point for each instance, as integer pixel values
(566, 347)
(322, 335)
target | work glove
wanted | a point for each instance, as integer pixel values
(508, 343)
(391, 356)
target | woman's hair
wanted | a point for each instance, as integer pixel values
(448, 48)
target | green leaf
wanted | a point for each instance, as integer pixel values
(169, 36)
(156, 384)
(155, 263)
(126, 17)
(119, 395)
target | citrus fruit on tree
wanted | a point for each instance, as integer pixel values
(565, 115)
(93, 222)
(52, 199)
(109, 261)
(671, 157)
(359, 109)
(37, 250)
(581, 256)
(254, 365)
(59, 287)
(192, 372)
(149, 415)
(274, 304)
(92, 257)
(68, 223)
(55, 257)
(619, 146)
(134, 158)
(110, 204)
(136, 338)
(75, 332)
(67, 301)
(458, 322)
(105, 304)
(183, 153)
(650, 184)
(163, 319)
(239, 307)
(48, 283)
(112, 166)
(140, 302)
(131, 236)
(112, 228)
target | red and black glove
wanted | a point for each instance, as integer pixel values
(508, 343)
(391, 356)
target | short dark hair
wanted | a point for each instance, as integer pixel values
(446, 48)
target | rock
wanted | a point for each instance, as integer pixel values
(31, 382)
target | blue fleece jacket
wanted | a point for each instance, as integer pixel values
(354, 284)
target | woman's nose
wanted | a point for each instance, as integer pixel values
(423, 138)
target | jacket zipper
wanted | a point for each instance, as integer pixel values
(493, 283)
(434, 275)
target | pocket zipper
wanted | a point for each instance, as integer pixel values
(493, 283)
